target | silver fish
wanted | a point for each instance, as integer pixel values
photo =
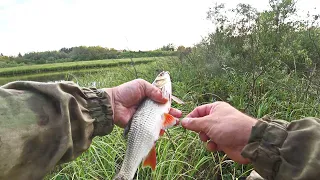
(147, 124)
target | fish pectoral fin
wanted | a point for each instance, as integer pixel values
(151, 159)
(177, 100)
(127, 129)
(168, 121)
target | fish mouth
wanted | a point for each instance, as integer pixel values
(163, 73)
(162, 79)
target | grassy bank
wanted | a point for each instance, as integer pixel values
(277, 93)
(52, 76)
(79, 65)
(183, 155)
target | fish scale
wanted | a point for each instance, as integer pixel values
(147, 123)
(144, 133)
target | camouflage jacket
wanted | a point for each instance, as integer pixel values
(44, 124)
(284, 150)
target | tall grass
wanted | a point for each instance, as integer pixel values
(183, 155)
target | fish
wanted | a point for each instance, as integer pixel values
(149, 122)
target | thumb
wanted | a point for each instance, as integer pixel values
(154, 93)
(195, 124)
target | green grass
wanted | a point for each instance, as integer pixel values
(78, 65)
(53, 76)
(183, 156)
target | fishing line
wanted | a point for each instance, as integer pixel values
(169, 137)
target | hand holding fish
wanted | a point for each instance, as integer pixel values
(127, 97)
(223, 127)
(150, 118)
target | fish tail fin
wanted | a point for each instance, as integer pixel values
(151, 159)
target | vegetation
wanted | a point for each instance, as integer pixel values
(81, 53)
(263, 63)
(175, 157)
(71, 66)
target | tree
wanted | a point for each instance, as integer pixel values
(183, 51)
(255, 40)
(65, 50)
(168, 47)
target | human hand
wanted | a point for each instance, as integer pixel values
(226, 128)
(126, 98)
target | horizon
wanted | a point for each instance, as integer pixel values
(36, 26)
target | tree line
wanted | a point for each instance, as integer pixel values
(84, 53)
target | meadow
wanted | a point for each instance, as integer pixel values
(71, 66)
(181, 155)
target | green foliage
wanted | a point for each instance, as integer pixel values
(183, 51)
(81, 53)
(259, 40)
(168, 47)
(196, 82)
(270, 57)
(155, 53)
(13, 71)
(182, 156)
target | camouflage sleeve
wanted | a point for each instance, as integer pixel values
(44, 124)
(283, 150)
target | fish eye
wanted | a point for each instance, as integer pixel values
(162, 73)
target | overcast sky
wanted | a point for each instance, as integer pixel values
(40, 25)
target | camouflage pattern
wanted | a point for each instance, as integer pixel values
(282, 150)
(44, 124)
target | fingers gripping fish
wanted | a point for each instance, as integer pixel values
(148, 123)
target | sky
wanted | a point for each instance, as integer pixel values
(41, 25)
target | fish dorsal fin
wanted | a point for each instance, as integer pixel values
(127, 129)
(151, 159)
(177, 100)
